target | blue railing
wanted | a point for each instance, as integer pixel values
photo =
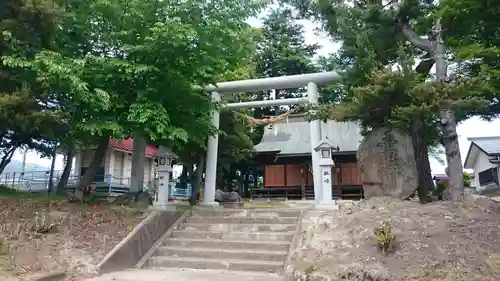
(177, 190)
(111, 186)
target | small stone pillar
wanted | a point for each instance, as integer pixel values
(325, 148)
(164, 168)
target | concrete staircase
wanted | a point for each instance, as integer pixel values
(237, 240)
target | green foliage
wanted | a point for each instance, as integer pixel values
(473, 39)
(282, 50)
(27, 119)
(384, 237)
(122, 66)
(112, 67)
(467, 180)
(378, 36)
(236, 143)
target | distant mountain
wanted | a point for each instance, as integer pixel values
(17, 166)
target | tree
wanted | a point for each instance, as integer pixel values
(367, 48)
(282, 50)
(26, 117)
(471, 35)
(131, 66)
(385, 26)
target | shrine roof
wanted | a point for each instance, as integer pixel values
(294, 137)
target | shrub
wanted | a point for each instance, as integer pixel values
(384, 237)
(42, 224)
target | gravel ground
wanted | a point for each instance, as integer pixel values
(43, 236)
(436, 241)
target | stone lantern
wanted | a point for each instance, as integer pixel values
(325, 148)
(164, 158)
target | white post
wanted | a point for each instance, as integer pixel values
(162, 191)
(211, 162)
(324, 151)
(78, 163)
(326, 185)
(163, 184)
(315, 138)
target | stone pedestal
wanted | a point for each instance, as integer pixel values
(323, 206)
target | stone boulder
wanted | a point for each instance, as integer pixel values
(387, 164)
(137, 199)
(228, 199)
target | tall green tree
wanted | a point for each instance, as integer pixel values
(131, 66)
(417, 26)
(282, 50)
(473, 40)
(27, 118)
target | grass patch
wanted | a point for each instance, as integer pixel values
(264, 205)
(183, 207)
(10, 193)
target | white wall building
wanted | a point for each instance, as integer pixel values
(117, 164)
(484, 158)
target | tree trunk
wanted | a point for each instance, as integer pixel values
(52, 167)
(421, 152)
(61, 186)
(198, 178)
(137, 173)
(455, 188)
(449, 127)
(190, 173)
(99, 155)
(7, 157)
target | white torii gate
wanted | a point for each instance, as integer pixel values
(285, 82)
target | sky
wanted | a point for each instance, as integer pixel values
(473, 127)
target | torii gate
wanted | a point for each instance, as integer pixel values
(284, 82)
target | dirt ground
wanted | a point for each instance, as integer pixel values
(44, 236)
(438, 241)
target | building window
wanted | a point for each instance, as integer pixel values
(488, 176)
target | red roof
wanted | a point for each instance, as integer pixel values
(128, 145)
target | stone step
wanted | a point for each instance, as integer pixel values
(245, 254)
(228, 264)
(244, 220)
(228, 244)
(284, 213)
(267, 236)
(184, 274)
(227, 227)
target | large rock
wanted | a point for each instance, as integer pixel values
(228, 199)
(221, 196)
(387, 164)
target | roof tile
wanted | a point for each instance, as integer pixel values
(294, 137)
(127, 144)
(491, 145)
